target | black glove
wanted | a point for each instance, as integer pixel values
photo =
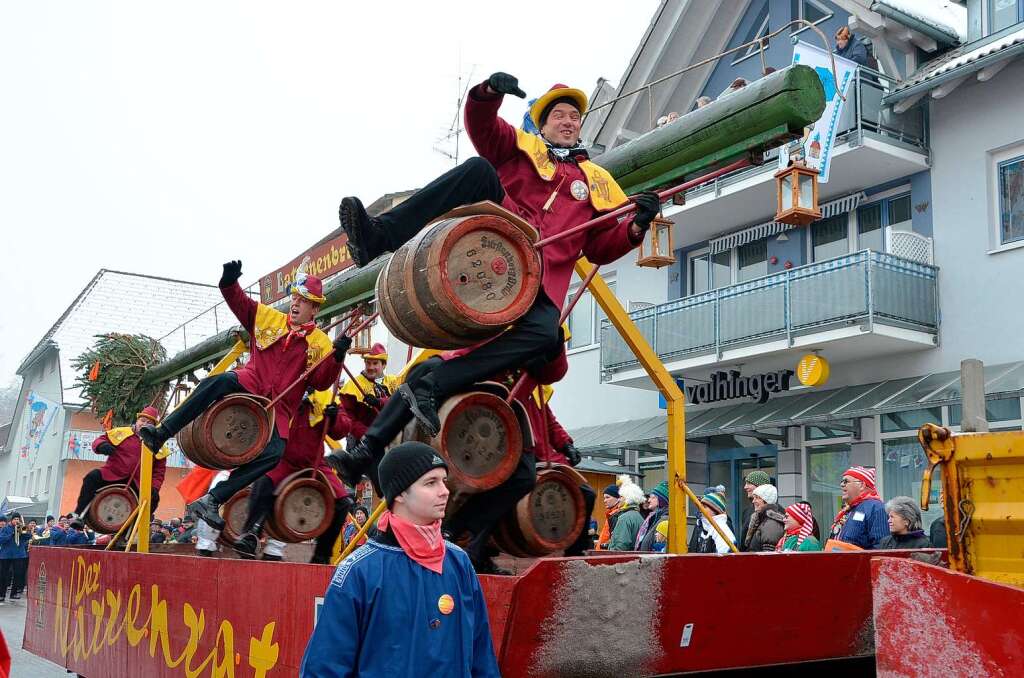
(572, 454)
(372, 400)
(331, 412)
(341, 346)
(232, 272)
(648, 204)
(503, 83)
(105, 448)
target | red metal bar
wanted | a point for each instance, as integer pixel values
(626, 209)
(565, 314)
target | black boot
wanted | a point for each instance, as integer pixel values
(423, 402)
(366, 240)
(154, 437)
(271, 558)
(208, 510)
(352, 464)
(246, 546)
(487, 565)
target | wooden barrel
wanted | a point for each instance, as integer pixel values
(480, 439)
(303, 510)
(110, 508)
(234, 512)
(460, 281)
(232, 432)
(548, 519)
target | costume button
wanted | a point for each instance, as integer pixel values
(435, 623)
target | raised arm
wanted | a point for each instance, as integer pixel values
(493, 138)
(238, 301)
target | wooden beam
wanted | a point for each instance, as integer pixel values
(945, 88)
(989, 72)
(885, 57)
(905, 105)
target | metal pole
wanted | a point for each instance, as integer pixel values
(704, 511)
(351, 546)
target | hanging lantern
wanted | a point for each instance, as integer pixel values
(797, 188)
(657, 251)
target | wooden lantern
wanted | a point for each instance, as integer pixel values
(797, 189)
(362, 342)
(658, 251)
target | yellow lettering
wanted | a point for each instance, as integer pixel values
(335, 256)
(263, 652)
(98, 609)
(114, 603)
(134, 633)
(226, 643)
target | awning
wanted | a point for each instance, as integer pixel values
(805, 407)
(769, 228)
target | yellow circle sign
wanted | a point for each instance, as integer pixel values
(812, 370)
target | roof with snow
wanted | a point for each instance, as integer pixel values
(945, 16)
(129, 303)
(991, 53)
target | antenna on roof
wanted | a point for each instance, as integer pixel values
(455, 130)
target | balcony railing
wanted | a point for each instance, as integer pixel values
(867, 286)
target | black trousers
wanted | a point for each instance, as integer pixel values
(93, 482)
(470, 182)
(481, 513)
(532, 341)
(325, 542)
(205, 394)
(261, 503)
(246, 474)
(20, 574)
(7, 567)
(584, 542)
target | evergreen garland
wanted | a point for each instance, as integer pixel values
(110, 376)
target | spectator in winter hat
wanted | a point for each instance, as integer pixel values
(660, 537)
(799, 534)
(657, 504)
(750, 483)
(628, 519)
(705, 538)
(767, 525)
(611, 511)
(862, 521)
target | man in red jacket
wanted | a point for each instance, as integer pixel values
(123, 450)
(549, 181)
(281, 347)
(316, 417)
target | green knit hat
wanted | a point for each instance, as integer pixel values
(661, 490)
(757, 478)
(715, 499)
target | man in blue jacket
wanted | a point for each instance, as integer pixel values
(13, 553)
(862, 521)
(408, 603)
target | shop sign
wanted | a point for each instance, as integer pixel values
(321, 260)
(812, 370)
(731, 385)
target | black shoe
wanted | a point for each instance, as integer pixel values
(246, 546)
(365, 239)
(207, 510)
(488, 566)
(423, 404)
(154, 437)
(320, 560)
(205, 553)
(15, 596)
(351, 464)
(272, 558)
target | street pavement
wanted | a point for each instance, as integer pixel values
(24, 664)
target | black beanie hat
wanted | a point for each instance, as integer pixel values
(554, 102)
(404, 465)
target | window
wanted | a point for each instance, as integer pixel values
(808, 10)
(758, 29)
(49, 473)
(899, 213)
(1011, 200)
(995, 410)
(752, 260)
(1003, 13)
(910, 420)
(830, 238)
(585, 320)
(869, 228)
(709, 272)
(825, 465)
(838, 429)
(903, 463)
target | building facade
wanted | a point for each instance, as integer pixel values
(910, 270)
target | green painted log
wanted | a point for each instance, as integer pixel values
(762, 115)
(349, 288)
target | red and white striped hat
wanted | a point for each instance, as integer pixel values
(801, 513)
(864, 474)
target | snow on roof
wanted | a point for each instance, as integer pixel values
(128, 303)
(959, 58)
(944, 15)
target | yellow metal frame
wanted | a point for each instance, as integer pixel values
(983, 499)
(669, 389)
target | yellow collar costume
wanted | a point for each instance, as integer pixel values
(271, 325)
(605, 193)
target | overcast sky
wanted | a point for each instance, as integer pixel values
(166, 138)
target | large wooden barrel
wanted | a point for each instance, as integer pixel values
(460, 281)
(303, 510)
(548, 519)
(232, 432)
(110, 508)
(234, 512)
(480, 439)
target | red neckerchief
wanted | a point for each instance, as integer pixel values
(844, 513)
(298, 330)
(422, 543)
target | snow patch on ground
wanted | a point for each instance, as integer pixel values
(607, 620)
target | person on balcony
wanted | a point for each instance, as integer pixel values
(282, 347)
(849, 47)
(862, 521)
(550, 182)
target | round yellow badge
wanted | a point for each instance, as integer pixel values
(446, 604)
(812, 370)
